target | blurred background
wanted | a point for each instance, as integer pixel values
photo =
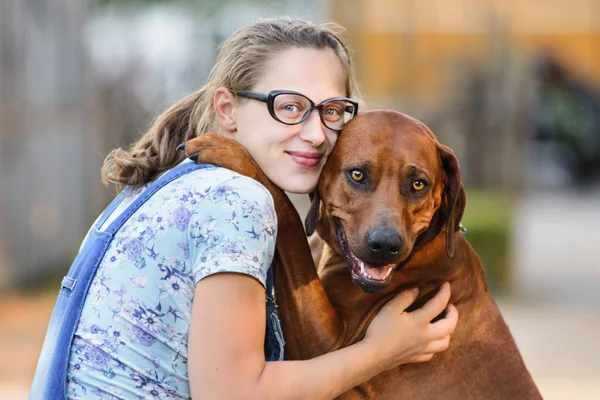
(512, 86)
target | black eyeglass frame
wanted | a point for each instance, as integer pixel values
(269, 98)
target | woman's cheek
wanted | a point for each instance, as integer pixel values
(332, 140)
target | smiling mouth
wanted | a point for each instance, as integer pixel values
(305, 159)
(370, 277)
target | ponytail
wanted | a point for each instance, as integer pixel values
(155, 152)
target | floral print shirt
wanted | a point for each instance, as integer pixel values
(131, 341)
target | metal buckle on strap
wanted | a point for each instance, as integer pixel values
(67, 285)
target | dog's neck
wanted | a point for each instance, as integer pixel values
(311, 326)
(426, 269)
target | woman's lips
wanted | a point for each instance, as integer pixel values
(305, 159)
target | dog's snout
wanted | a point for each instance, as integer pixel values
(384, 244)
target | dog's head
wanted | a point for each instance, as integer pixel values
(388, 188)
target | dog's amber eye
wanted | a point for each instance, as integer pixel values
(357, 175)
(418, 185)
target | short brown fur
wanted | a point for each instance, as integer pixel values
(318, 316)
(482, 361)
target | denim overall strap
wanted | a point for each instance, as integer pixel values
(274, 342)
(49, 382)
(181, 169)
(112, 207)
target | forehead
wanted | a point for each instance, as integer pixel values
(318, 74)
(387, 138)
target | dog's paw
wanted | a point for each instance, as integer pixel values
(213, 148)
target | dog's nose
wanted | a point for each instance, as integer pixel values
(384, 244)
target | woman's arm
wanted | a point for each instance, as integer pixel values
(226, 345)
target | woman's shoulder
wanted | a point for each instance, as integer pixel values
(221, 184)
(233, 228)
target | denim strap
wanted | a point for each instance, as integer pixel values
(171, 175)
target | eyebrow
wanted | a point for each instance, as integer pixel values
(365, 164)
(415, 171)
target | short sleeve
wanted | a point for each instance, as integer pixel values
(233, 229)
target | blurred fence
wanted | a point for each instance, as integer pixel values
(470, 69)
(78, 79)
(45, 134)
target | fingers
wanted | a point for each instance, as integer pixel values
(446, 325)
(451, 316)
(436, 305)
(405, 298)
(423, 358)
(435, 346)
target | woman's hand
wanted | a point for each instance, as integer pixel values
(402, 337)
(226, 344)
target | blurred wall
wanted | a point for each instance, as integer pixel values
(407, 46)
(45, 134)
(78, 79)
(468, 69)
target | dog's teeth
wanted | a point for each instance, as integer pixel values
(389, 271)
(362, 267)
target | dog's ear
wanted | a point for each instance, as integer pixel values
(312, 218)
(454, 198)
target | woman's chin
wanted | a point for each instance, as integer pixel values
(298, 189)
(297, 185)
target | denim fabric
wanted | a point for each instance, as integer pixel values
(274, 343)
(50, 377)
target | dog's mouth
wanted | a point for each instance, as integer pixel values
(370, 277)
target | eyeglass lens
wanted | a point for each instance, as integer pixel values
(293, 108)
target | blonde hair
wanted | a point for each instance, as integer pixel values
(239, 66)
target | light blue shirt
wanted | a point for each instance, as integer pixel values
(131, 341)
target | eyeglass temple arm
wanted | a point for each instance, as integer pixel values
(253, 95)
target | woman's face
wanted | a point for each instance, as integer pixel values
(292, 156)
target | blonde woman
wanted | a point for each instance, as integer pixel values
(167, 296)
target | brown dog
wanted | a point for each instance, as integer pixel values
(387, 213)
(392, 151)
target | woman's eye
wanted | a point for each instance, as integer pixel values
(332, 114)
(357, 175)
(418, 185)
(291, 107)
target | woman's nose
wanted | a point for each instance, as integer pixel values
(313, 130)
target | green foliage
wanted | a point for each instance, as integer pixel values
(488, 219)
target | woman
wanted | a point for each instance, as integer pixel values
(175, 306)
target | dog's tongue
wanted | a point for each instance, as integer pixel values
(379, 273)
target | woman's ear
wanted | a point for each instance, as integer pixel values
(454, 198)
(224, 103)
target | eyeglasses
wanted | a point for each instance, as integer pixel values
(293, 108)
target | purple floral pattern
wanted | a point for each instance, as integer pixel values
(131, 341)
